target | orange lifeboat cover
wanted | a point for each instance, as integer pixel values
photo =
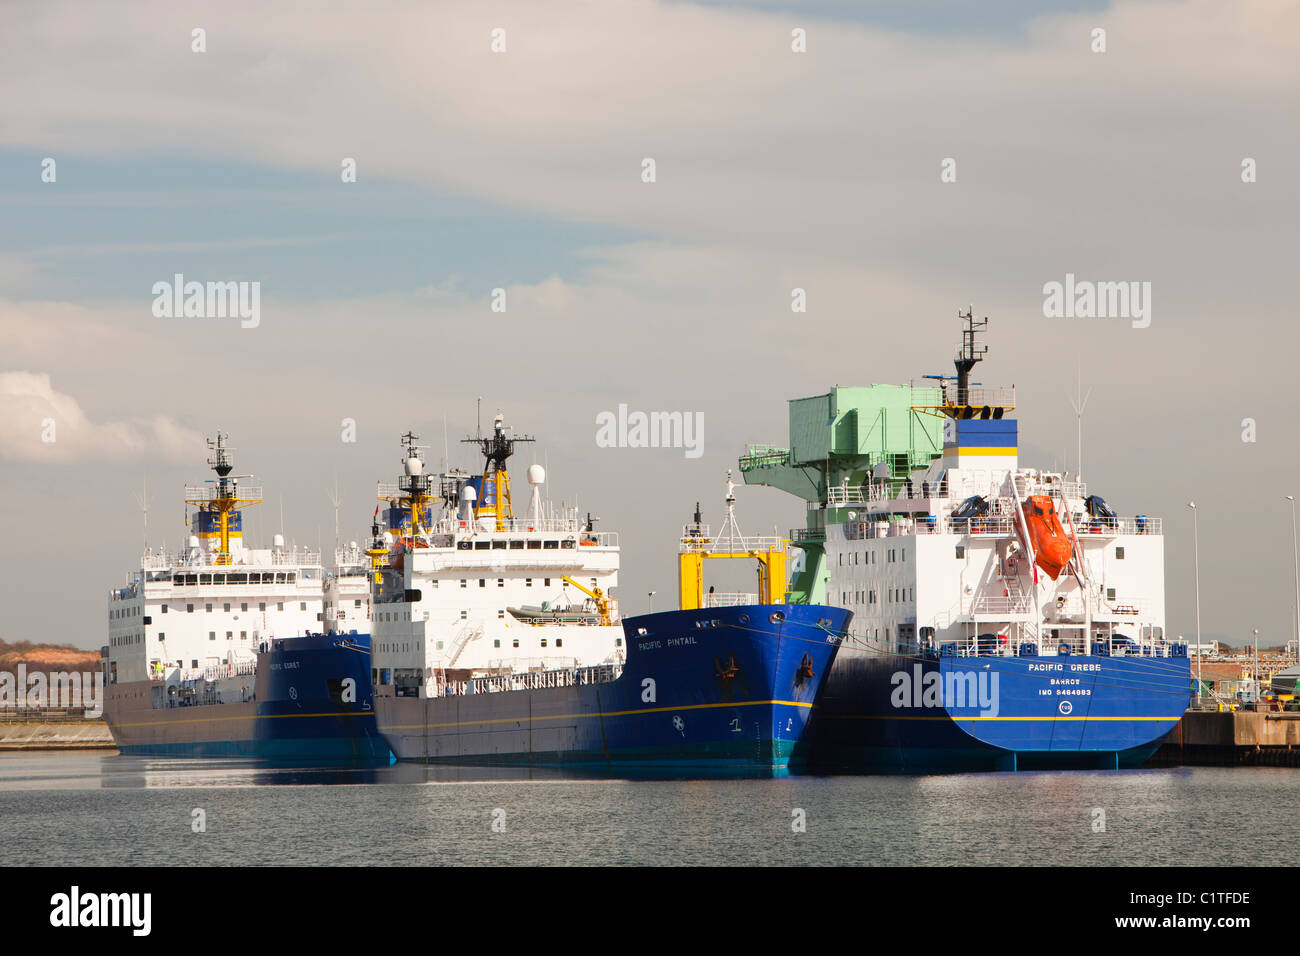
(1052, 549)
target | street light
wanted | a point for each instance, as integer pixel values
(1295, 553)
(651, 599)
(1196, 557)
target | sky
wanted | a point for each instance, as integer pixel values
(522, 169)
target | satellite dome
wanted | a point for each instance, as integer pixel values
(468, 493)
(414, 466)
(536, 475)
(278, 541)
(194, 541)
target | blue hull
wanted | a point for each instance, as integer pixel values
(898, 713)
(312, 704)
(719, 689)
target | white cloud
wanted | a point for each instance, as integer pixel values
(39, 424)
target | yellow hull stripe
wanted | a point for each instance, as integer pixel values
(610, 713)
(976, 720)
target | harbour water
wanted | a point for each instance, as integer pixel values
(90, 809)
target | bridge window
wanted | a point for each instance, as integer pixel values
(550, 545)
(534, 545)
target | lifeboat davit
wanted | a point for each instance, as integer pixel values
(1052, 547)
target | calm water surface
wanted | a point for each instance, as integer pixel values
(92, 809)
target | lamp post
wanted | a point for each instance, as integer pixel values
(650, 598)
(1196, 557)
(1295, 553)
(1254, 669)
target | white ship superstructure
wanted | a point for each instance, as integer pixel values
(194, 619)
(476, 591)
(347, 590)
(913, 574)
(988, 557)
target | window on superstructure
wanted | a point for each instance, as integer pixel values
(501, 614)
(546, 582)
(194, 663)
(279, 606)
(433, 583)
(501, 582)
(482, 545)
(543, 642)
(279, 577)
(205, 579)
(516, 642)
(302, 605)
(162, 636)
(464, 615)
(482, 582)
(559, 642)
(841, 559)
(499, 545)
(516, 544)
(208, 608)
(550, 544)
(163, 609)
(357, 602)
(243, 606)
(462, 583)
(230, 635)
(528, 582)
(1119, 553)
(226, 607)
(189, 609)
(212, 636)
(293, 576)
(218, 579)
(534, 545)
(618, 642)
(243, 635)
(1110, 594)
(497, 642)
(961, 552)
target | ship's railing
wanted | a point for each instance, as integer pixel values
(208, 492)
(909, 489)
(705, 542)
(756, 456)
(535, 680)
(1139, 524)
(1001, 604)
(729, 598)
(290, 557)
(1035, 485)
(807, 535)
(991, 395)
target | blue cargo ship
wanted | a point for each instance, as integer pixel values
(211, 650)
(706, 689)
(1005, 618)
(309, 702)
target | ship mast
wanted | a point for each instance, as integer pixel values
(496, 448)
(220, 505)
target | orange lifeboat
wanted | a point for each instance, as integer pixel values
(1052, 548)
